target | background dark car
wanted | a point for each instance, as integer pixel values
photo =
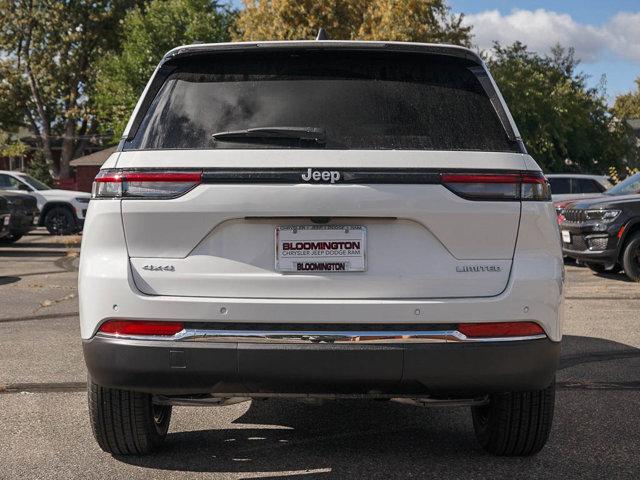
(5, 217)
(24, 213)
(604, 232)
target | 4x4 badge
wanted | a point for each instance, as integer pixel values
(160, 268)
(331, 176)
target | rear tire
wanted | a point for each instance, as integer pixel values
(60, 221)
(126, 422)
(631, 258)
(515, 424)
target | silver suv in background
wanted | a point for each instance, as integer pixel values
(321, 219)
(574, 186)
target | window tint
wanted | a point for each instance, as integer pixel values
(585, 185)
(361, 100)
(37, 184)
(7, 182)
(559, 186)
(629, 186)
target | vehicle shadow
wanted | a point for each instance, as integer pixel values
(8, 280)
(351, 439)
(609, 275)
(619, 276)
(31, 253)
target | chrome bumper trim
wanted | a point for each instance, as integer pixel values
(225, 399)
(317, 337)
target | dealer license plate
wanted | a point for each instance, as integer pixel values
(321, 248)
(6, 220)
(566, 236)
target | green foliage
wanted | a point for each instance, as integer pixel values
(10, 147)
(564, 124)
(40, 168)
(401, 20)
(48, 51)
(149, 33)
(14, 96)
(628, 105)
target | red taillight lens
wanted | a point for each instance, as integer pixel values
(140, 327)
(122, 184)
(510, 186)
(500, 329)
(535, 187)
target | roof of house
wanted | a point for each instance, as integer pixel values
(95, 159)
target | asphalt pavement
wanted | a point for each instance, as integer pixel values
(44, 429)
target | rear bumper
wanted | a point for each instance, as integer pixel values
(436, 369)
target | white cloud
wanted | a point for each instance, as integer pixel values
(542, 29)
(623, 34)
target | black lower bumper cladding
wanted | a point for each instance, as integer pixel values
(184, 368)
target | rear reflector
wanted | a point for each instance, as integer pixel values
(496, 187)
(500, 329)
(144, 185)
(140, 327)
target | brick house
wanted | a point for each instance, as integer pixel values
(88, 166)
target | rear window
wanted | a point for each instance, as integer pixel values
(587, 186)
(359, 100)
(559, 186)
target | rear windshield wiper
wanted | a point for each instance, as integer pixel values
(309, 134)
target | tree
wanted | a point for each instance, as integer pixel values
(564, 124)
(49, 47)
(402, 20)
(148, 34)
(11, 147)
(39, 168)
(628, 105)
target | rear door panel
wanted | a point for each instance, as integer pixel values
(219, 239)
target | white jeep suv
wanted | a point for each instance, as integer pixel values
(321, 219)
(62, 212)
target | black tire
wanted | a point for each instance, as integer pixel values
(60, 221)
(515, 424)
(125, 422)
(597, 267)
(631, 258)
(11, 238)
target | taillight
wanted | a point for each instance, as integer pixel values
(140, 327)
(500, 329)
(144, 185)
(496, 187)
(535, 187)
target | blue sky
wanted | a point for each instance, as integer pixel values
(605, 33)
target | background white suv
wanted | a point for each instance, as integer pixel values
(62, 212)
(321, 219)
